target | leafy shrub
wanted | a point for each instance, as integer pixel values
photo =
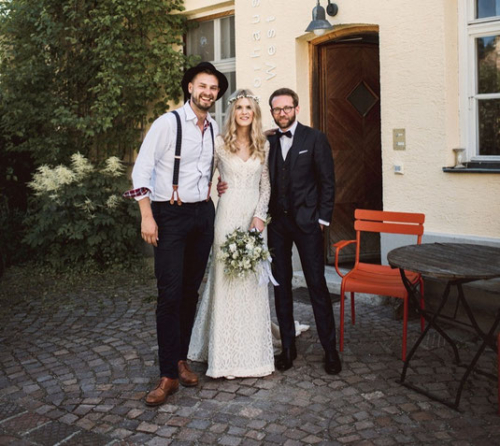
(12, 250)
(78, 218)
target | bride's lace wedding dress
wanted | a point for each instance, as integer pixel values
(232, 330)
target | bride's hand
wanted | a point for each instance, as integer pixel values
(258, 224)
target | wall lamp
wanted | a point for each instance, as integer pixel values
(319, 25)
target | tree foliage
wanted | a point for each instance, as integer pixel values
(82, 76)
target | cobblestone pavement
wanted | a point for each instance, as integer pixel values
(75, 372)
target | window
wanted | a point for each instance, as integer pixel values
(213, 40)
(480, 66)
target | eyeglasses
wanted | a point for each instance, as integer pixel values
(277, 110)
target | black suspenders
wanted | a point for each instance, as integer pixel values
(212, 163)
(177, 161)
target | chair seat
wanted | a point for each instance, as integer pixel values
(377, 279)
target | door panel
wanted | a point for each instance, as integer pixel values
(349, 112)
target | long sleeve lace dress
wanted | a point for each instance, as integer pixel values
(232, 330)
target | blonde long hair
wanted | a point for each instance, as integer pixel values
(257, 137)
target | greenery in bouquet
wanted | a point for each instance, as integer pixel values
(242, 252)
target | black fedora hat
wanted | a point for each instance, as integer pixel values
(200, 68)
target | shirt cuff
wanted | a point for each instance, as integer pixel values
(323, 222)
(138, 194)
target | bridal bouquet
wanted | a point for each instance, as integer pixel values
(243, 252)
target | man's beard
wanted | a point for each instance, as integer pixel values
(198, 103)
(288, 124)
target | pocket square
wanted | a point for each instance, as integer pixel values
(303, 151)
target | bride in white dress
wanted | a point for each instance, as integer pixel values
(232, 330)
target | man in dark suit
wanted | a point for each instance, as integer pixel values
(302, 199)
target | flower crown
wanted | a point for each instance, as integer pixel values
(241, 96)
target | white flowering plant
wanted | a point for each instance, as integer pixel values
(242, 252)
(78, 218)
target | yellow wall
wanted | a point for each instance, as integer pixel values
(419, 92)
(196, 8)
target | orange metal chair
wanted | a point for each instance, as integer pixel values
(379, 279)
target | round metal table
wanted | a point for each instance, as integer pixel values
(456, 263)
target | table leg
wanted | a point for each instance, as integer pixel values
(470, 314)
(431, 323)
(487, 340)
(412, 293)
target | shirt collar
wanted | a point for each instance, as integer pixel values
(191, 115)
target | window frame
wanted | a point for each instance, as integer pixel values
(226, 66)
(471, 29)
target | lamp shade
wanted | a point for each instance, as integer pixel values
(319, 24)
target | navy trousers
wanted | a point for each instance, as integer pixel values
(185, 237)
(282, 233)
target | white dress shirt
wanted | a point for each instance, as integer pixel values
(286, 143)
(154, 167)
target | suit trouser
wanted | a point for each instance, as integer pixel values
(185, 236)
(282, 233)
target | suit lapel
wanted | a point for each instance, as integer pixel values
(298, 140)
(274, 149)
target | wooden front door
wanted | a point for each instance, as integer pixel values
(349, 114)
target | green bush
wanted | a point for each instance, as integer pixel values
(78, 218)
(12, 250)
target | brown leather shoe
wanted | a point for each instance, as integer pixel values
(186, 376)
(166, 387)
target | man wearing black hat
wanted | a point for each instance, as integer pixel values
(172, 176)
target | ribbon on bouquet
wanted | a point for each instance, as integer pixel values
(266, 274)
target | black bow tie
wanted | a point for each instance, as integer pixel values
(287, 133)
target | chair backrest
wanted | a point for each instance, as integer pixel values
(387, 222)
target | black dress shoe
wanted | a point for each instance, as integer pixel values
(333, 366)
(284, 360)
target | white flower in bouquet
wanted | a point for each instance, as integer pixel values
(243, 252)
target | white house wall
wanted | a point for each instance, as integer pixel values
(419, 70)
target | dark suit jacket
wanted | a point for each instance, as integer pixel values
(312, 177)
